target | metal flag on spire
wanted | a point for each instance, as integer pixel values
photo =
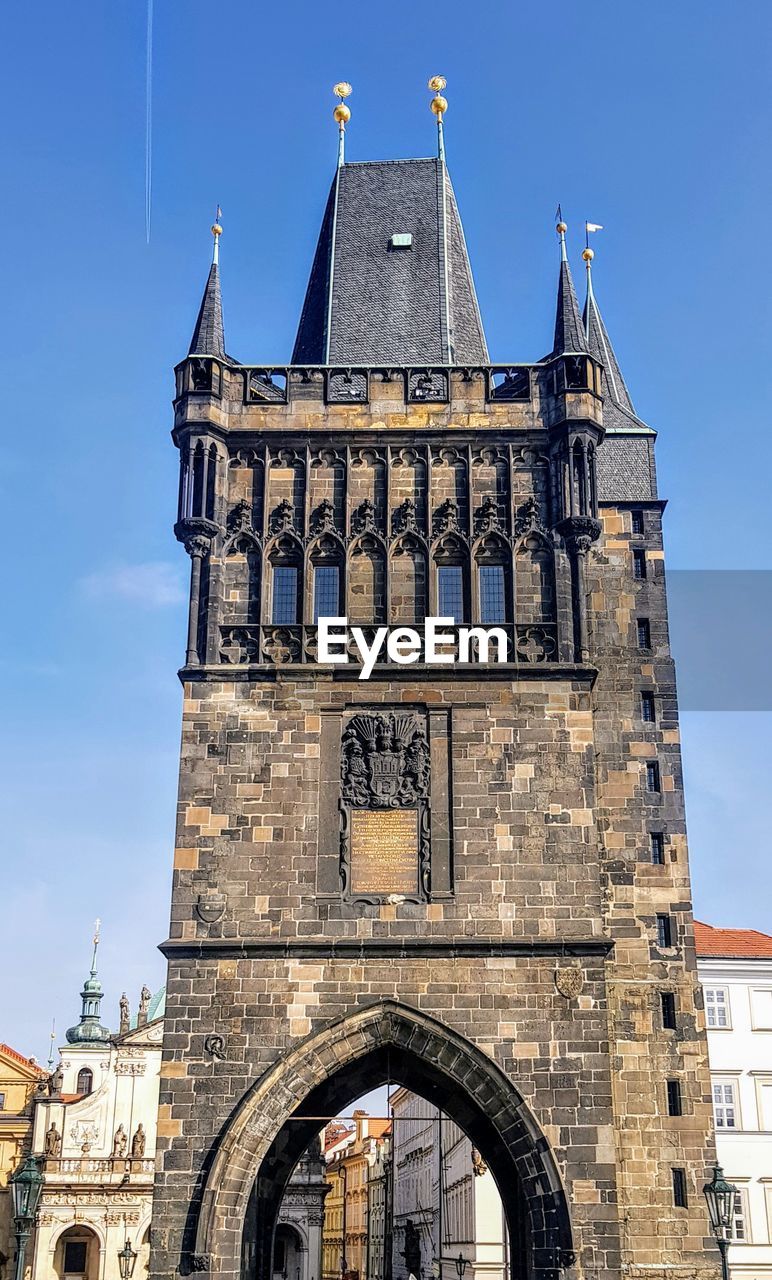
(439, 106)
(588, 255)
(97, 926)
(342, 114)
(588, 227)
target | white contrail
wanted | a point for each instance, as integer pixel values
(149, 119)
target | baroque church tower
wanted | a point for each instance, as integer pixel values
(468, 879)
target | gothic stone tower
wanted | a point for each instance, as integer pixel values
(470, 880)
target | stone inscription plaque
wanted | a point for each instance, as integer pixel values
(384, 851)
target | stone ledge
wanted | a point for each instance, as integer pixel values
(376, 948)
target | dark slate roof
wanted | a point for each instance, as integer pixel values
(618, 411)
(569, 330)
(368, 303)
(208, 336)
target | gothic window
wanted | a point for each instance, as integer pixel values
(717, 1008)
(668, 1009)
(724, 1104)
(450, 591)
(579, 471)
(493, 601)
(284, 601)
(657, 848)
(211, 477)
(675, 1105)
(85, 1081)
(326, 591)
(196, 505)
(680, 1198)
(644, 633)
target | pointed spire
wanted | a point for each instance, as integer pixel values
(439, 106)
(599, 346)
(569, 330)
(342, 114)
(90, 1030)
(209, 336)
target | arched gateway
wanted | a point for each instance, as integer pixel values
(460, 867)
(385, 1042)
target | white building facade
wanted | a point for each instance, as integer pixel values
(448, 1217)
(94, 1128)
(735, 970)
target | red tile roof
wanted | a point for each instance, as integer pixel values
(19, 1057)
(732, 943)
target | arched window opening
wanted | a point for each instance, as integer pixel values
(451, 561)
(286, 585)
(211, 480)
(76, 1254)
(196, 505)
(494, 575)
(85, 1082)
(579, 479)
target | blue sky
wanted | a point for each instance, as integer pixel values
(651, 119)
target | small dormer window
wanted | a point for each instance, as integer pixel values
(401, 240)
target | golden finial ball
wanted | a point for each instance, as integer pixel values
(437, 84)
(588, 254)
(439, 105)
(342, 113)
(216, 229)
(342, 89)
(561, 228)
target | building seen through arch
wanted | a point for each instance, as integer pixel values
(438, 878)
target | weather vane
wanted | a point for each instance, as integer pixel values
(342, 114)
(439, 106)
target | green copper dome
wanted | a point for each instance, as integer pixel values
(90, 1030)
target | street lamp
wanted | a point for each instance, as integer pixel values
(461, 1264)
(127, 1260)
(721, 1197)
(26, 1185)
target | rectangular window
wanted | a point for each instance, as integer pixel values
(75, 1257)
(652, 776)
(644, 633)
(740, 1227)
(657, 847)
(674, 1103)
(2, 1101)
(680, 1199)
(493, 602)
(664, 931)
(285, 594)
(326, 591)
(450, 585)
(639, 563)
(724, 1104)
(648, 712)
(667, 1000)
(637, 521)
(717, 1007)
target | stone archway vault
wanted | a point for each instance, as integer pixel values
(406, 1046)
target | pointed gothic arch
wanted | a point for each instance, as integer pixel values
(387, 1041)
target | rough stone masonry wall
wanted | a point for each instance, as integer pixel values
(645, 1055)
(248, 825)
